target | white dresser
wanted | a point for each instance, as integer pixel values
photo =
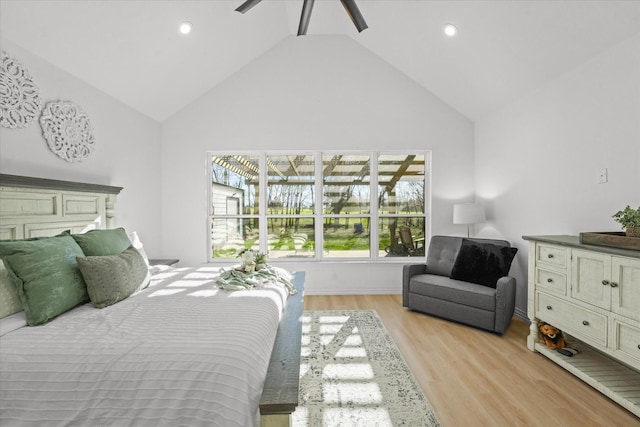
(591, 293)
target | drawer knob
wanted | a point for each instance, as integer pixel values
(585, 323)
(549, 307)
(549, 280)
(638, 346)
(549, 255)
(605, 282)
(614, 285)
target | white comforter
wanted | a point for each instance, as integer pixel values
(181, 352)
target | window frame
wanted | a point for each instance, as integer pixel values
(318, 215)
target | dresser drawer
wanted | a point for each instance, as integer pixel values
(580, 322)
(552, 255)
(626, 342)
(551, 281)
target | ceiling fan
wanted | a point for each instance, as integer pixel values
(307, 6)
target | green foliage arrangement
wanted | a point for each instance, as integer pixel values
(628, 217)
(261, 258)
(257, 257)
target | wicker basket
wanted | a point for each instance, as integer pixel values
(633, 231)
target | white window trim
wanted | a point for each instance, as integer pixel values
(318, 215)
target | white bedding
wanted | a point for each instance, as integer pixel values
(181, 352)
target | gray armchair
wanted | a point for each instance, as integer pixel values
(465, 280)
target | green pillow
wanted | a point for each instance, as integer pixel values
(103, 242)
(9, 298)
(46, 275)
(112, 278)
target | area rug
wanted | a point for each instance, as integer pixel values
(352, 374)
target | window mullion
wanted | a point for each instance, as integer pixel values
(427, 197)
(319, 204)
(373, 203)
(262, 209)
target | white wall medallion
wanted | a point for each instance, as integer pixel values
(67, 130)
(19, 96)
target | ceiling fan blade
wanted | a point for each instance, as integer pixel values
(307, 7)
(247, 5)
(354, 14)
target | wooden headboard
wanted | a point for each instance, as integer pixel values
(37, 207)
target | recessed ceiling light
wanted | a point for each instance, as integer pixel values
(450, 30)
(185, 27)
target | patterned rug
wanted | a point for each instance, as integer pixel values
(352, 374)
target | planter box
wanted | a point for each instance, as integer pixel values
(612, 239)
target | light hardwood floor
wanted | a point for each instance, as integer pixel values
(476, 378)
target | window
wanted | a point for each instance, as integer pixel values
(319, 205)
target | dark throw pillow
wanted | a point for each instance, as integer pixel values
(112, 278)
(482, 263)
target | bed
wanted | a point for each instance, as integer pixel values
(178, 350)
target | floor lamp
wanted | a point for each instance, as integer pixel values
(468, 213)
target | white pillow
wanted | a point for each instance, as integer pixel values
(159, 268)
(137, 243)
(13, 322)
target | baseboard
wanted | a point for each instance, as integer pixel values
(342, 291)
(522, 315)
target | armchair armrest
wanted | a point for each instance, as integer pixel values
(505, 302)
(408, 271)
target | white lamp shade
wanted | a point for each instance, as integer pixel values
(468, 213)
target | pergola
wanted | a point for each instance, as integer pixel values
(339, 170)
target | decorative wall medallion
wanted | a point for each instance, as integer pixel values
(67, 130)
(19, 96)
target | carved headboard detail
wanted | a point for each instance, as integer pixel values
(36, 207)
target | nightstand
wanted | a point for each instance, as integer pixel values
(168, 261)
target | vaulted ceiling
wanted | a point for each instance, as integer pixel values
(133, 51)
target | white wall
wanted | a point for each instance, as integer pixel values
(127, 152)
(311, 93)
(537, 160)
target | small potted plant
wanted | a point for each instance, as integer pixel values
(261, 260)
(252, 260)
(630, 220)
